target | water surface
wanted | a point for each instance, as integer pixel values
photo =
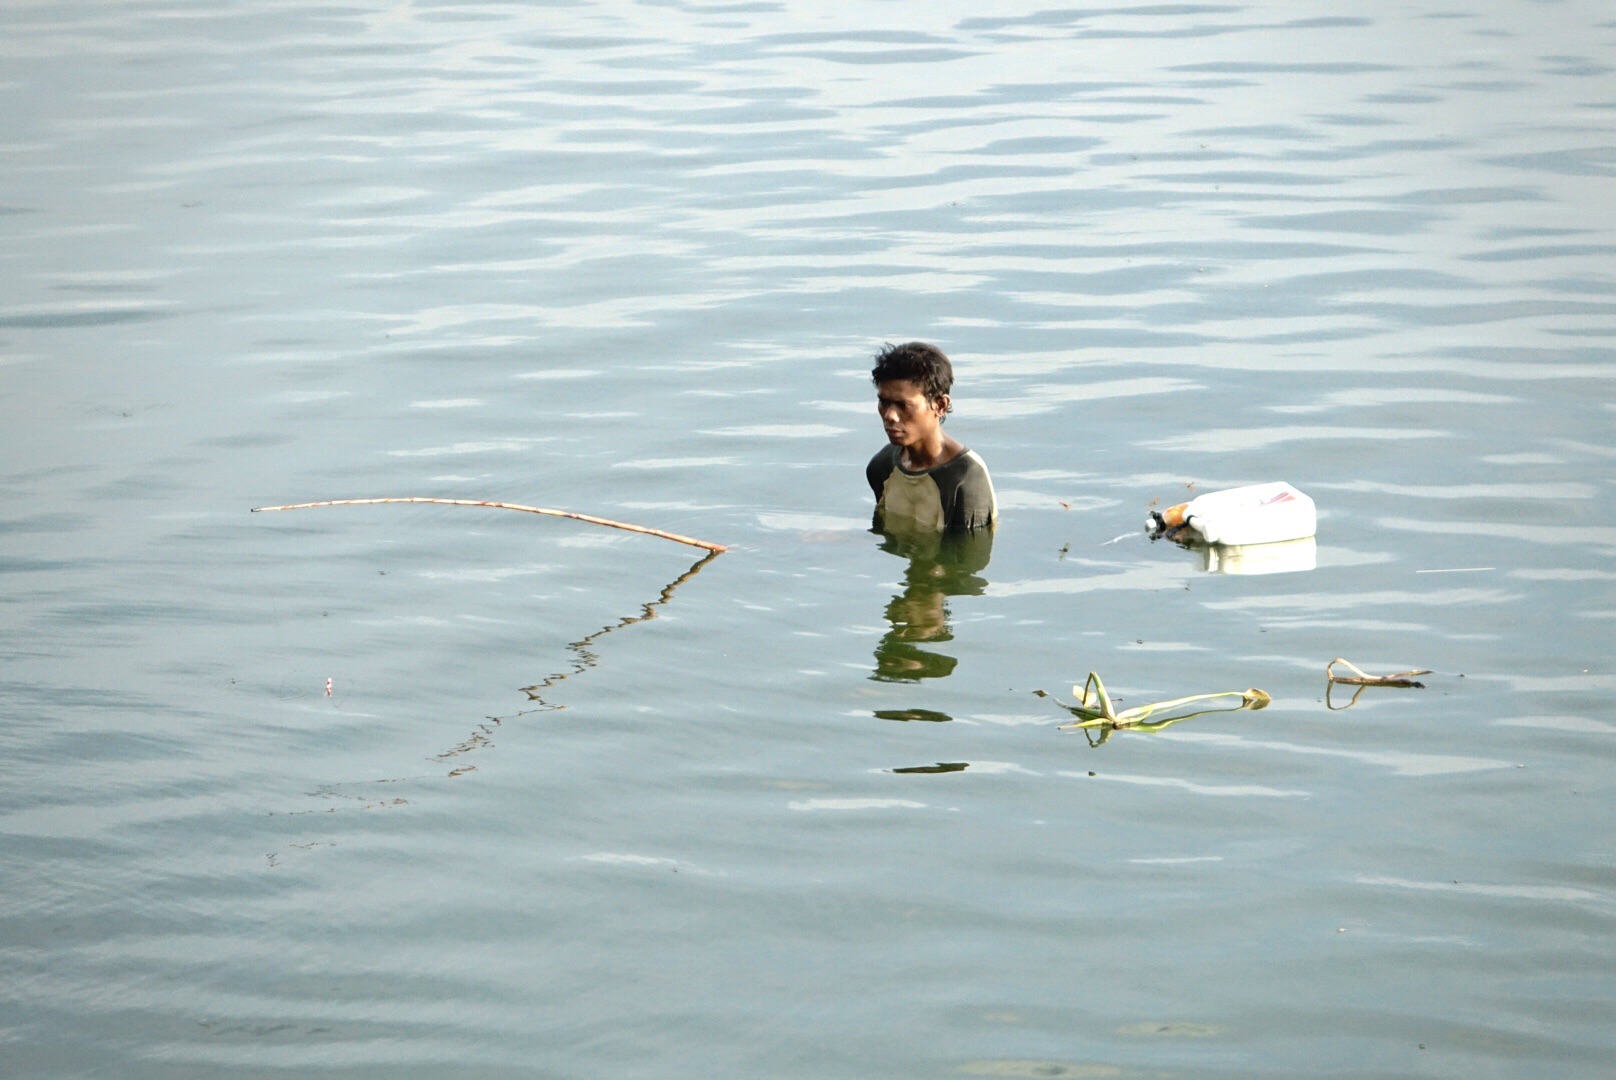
(581, 804)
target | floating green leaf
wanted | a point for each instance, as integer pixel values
(1095, 711)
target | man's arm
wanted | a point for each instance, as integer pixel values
(973, 504)
(879, 468)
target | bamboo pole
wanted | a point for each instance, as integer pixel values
(507, 506)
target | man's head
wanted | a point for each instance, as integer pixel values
(912, 382)
(919, 363)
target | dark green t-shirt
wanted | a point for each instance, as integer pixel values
(955, 496)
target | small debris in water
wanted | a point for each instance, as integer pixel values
(1172, 1030)
(1039, 1070)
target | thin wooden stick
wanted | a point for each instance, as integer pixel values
(508, 506)
(1401, 678)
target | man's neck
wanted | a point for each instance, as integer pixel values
(929, 453)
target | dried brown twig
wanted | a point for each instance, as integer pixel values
(1363, 678)
(509, 506)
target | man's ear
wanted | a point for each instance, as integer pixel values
(943, 404)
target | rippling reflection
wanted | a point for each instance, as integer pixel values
(584, 658)
(940, 566)
(1284, 557)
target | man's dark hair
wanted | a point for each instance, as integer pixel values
(922, 364)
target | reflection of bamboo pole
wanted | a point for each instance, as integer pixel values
(584, 659)
(509, 506)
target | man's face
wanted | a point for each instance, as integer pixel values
(907, 415)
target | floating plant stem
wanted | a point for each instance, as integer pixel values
(1095, 711)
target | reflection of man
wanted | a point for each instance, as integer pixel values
(940, 566)
(923, 478)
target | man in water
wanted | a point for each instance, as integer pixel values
(923, 479)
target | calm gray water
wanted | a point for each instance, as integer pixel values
(632, 259)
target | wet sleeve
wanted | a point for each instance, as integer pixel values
(879, 468)
(972, 503)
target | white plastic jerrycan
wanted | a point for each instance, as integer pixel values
(1259, 514)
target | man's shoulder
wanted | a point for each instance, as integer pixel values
(881, 466)
(884, 460)
(967, 463)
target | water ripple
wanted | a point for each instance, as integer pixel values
(637, 256)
